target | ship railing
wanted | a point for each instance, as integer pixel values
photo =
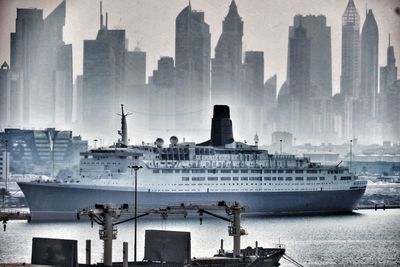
(278, 245)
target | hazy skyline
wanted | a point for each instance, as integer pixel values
(152, 24)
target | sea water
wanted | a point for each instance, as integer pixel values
(363, 238)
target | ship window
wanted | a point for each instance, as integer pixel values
(255, 171)
(311, 171)
(212, 178)
(299, 178)
(177, 171)
(185, 178)
(235, 171)
(198, 171)
(244, 178)
(167, 171)
(235, 178)
(185, 171)
(289, 178)
(225, 178)
(212, 171)
(321, 178)
(311, 178)
(255, 178)
(156, 171)
(343, 178)
(267, 171)
(289, 171)
(244, 171)
(225, 171)
(267, 178)
(273, 178)
(280, 178)
(273, 171)
(198, 178)
(298, 171)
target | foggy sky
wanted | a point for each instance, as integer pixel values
(152, 24)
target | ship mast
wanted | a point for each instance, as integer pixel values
(124, 128)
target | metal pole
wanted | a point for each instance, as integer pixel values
(6, 166)
(125, 254)
(88, 251)
(351, 153)
(108, 232)
(135, 240)
(236, 229)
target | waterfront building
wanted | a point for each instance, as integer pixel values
(192, 66)
(4, 163)
(227, 63)
(46, 148)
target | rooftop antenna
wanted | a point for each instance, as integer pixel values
(106, 20)
(101, 15)
(124, 128)
(389, 39)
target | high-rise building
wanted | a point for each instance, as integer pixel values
(369, 65)
(320, 55)
(270, 106)
(349, 79)
(192, 66)
(43, 62)
(4, 94)
(299, 83)
(25, 47)
(320, 74)
(162, 96)
(350, 70)
(226, 66)
(103, 80)
(250, 107)
(389, 98)
(388, 73)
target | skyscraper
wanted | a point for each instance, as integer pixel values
(192, 65)
(350, 71)
(299, 83)
(25, 47)
(349, 79)
(388, 73)
(103, 80)
(226, 66)
(41, 59)
(369, 65)
(320, 74)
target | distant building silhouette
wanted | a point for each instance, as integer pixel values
(162, 96)
(192, 65)
(4, 94)
(365, 115)
(270, 106)
(350, 71)
(43, 63)
(300, 83)
(350, 75)
(103, 79)
(227, 63)
(320, 74)
(389, 98)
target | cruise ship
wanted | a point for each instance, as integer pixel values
(219, 169)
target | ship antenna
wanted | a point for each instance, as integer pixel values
(124, 128)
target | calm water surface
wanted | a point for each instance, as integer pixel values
(365, 238)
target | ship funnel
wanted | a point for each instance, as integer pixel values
(221, 126)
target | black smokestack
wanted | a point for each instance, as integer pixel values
(221, 126)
